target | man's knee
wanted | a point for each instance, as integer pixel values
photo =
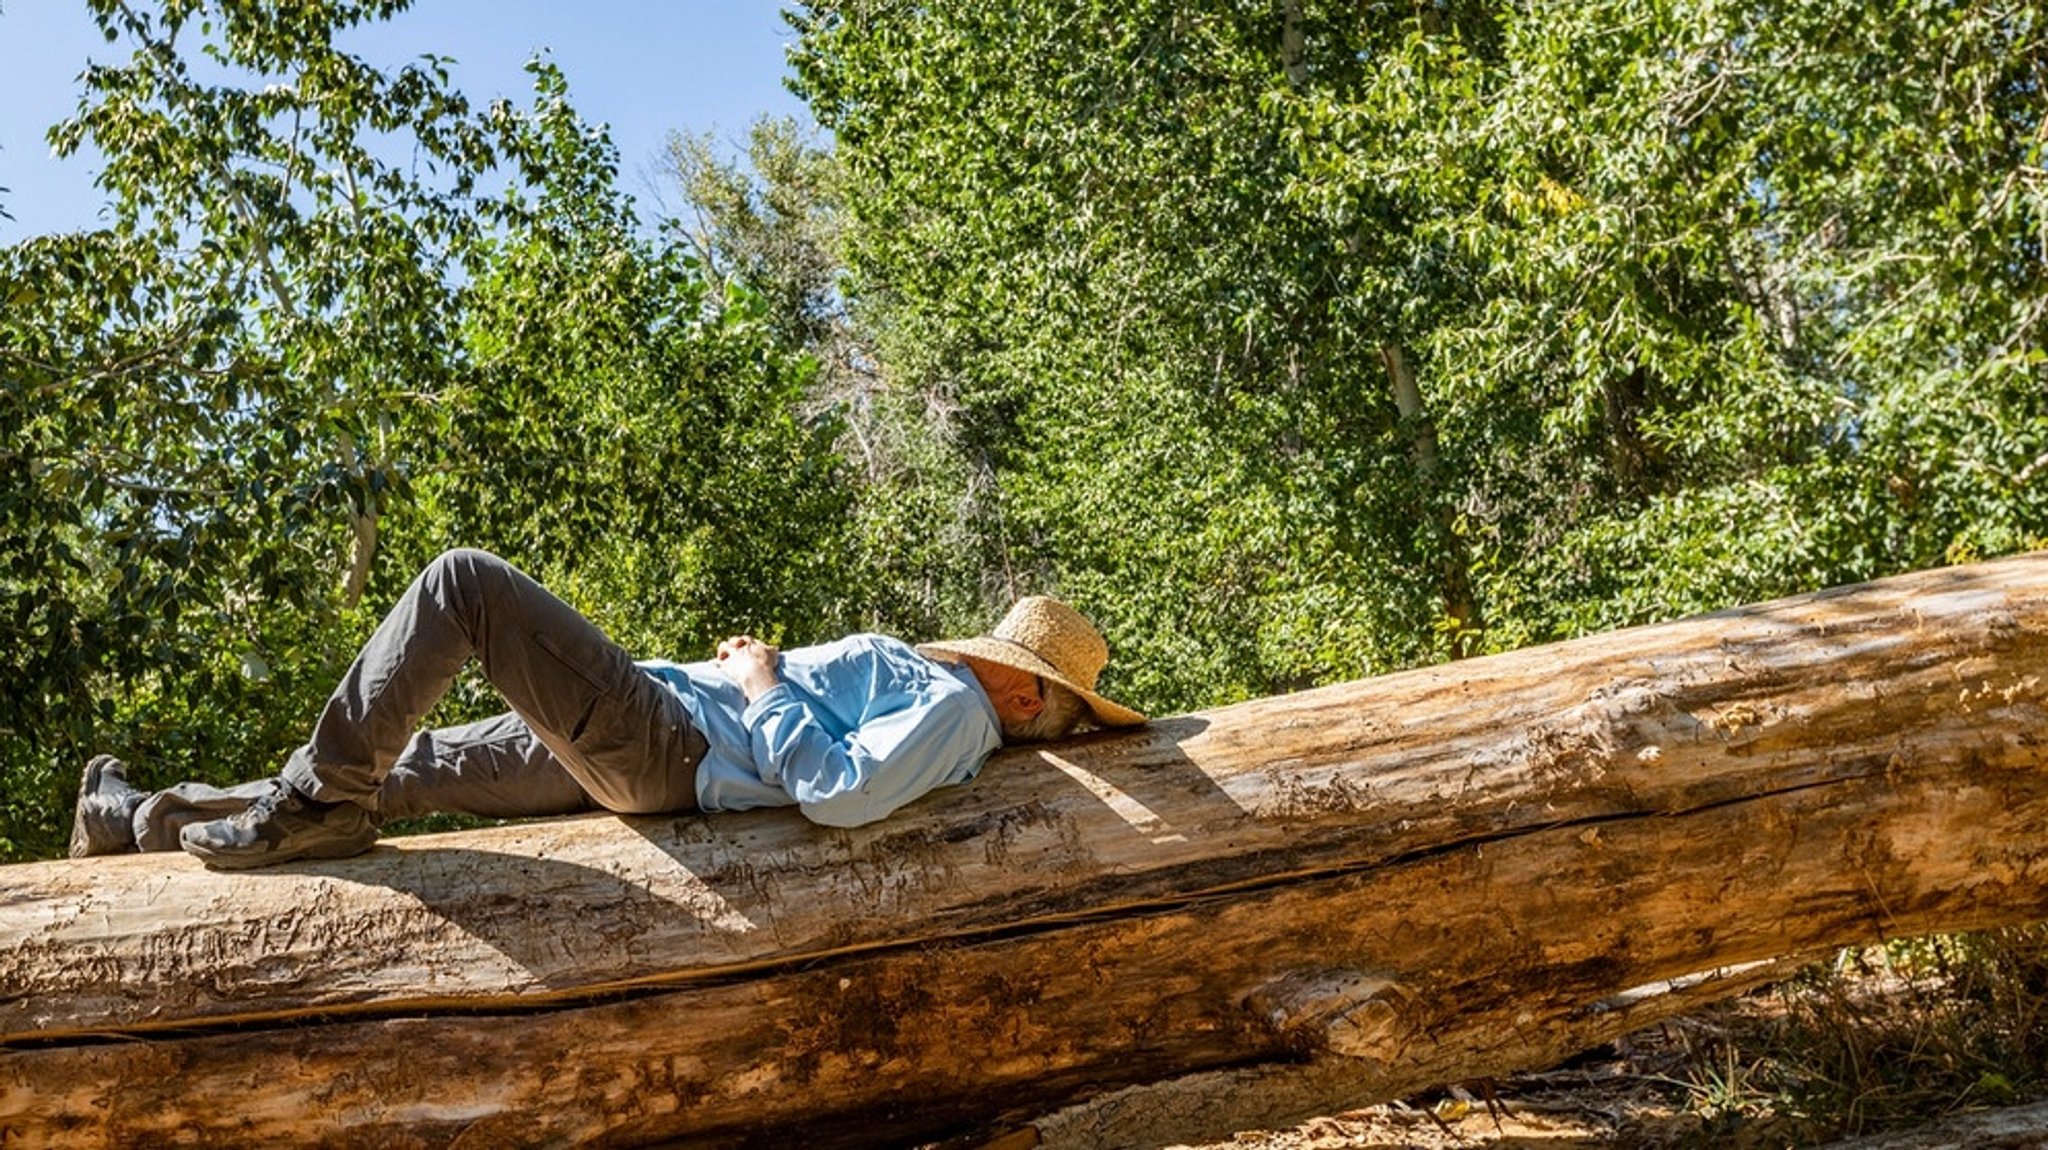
(459, 573)
(466, 563)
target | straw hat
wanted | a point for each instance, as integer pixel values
(1043, 636)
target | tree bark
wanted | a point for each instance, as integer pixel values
(1454, 579)
(1343, 894)
(1293, 44)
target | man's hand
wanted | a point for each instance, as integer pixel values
(750, 663)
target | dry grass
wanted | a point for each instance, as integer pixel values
(1897, 1035)
(1881, 1038)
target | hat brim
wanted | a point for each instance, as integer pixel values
(1107, 713)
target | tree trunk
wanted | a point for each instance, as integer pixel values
(1454, 579)
(1293, 44)
(1345, 894)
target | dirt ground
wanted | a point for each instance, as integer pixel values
(1556, 1117)
(1642, 1093)
(1405, 1128)
(1591, 1120)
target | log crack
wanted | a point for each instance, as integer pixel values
(1587, 829)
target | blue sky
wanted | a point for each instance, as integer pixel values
(646, 67)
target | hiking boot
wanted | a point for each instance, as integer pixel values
(103, 823)
(281, 826)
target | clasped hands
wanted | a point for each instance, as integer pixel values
(750, 663)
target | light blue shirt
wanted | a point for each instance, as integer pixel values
(854, 730)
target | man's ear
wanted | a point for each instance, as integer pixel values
(1027, 702)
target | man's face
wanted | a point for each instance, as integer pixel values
(1018, 696)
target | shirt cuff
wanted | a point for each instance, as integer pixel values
(770, 699)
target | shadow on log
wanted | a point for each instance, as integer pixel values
(1241, 917)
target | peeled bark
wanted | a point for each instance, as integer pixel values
(1345, 894)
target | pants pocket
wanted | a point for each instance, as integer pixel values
(635, 755)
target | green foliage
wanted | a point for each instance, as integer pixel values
(1294, 341)
(631, 433)
(1067, 252)
(199, 398)
(290, 369)
(1733, 259)
(1702, 304)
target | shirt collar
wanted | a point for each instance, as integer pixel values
(965, 674)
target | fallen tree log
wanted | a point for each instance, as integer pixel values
(1354, 892)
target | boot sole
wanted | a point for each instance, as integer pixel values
(236, 860)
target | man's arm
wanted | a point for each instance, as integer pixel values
(887, 762)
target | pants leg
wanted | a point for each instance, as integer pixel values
(495, 768)
(624, 739)
(163, 814)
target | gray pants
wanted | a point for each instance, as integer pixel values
(588, 728)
